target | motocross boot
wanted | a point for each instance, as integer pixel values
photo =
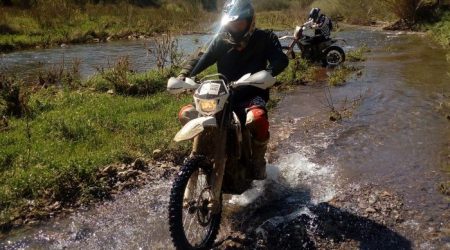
(259, 149)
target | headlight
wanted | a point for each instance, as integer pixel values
(208, 106)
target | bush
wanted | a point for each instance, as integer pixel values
(122, 80)
(413, 10)
(61, 74)
(13, 98)
(441, 31)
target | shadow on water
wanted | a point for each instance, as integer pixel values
(294, 222)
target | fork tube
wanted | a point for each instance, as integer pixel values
(220, 159)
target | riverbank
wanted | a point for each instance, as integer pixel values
(52, 26)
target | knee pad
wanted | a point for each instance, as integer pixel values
(187, 113)
(258, 123)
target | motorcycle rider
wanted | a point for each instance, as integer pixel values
(322, 28)
(241, 48)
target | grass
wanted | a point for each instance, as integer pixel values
(57, 153)
(54, 152)
(358, 54)
(44, 27)
(340, 75)
(440, 31)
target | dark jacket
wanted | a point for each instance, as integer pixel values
(324, 27)
(263, 52)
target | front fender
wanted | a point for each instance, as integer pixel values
(194, 128)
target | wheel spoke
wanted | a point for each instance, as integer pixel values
(194, 231)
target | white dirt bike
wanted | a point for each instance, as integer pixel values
(220, 159)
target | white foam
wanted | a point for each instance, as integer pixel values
(296, 170)
(293, 171)
(248, 196)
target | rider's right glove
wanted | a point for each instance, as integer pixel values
(181, 77)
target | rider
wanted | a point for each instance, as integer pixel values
(322, 27)
(240, 48)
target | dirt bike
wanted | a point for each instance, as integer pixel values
(326, 53)
(220, 159)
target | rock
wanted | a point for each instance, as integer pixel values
(18, 222)
(127, 174)
(111, 92)
(122, 167)
(157, 152)
(370, 210)
(96, 40)
(402, 24)
(55, 206)
(385, 194)
(109, 169)
(139, 164)
(63, 45)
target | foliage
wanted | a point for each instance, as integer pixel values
(358, 54)
(412, 10)
(440, 31)
(340, 75)
(166, 52)
(13, 97)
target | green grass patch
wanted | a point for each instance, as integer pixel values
(55, 152)
(298, 71)
(341, 74)
(358, 54)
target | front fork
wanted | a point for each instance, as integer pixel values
(212, 145)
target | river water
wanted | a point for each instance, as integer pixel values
(92, 56)
(396, 139)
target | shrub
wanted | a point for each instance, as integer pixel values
(13, 98)
(60, 74)
(412, 10)
(123, 81)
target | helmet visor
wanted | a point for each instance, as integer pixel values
(237, 27)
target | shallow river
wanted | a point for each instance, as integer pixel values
(396, 139)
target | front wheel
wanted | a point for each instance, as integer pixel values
(333, 56)
(192, 223)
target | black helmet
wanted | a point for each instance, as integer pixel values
(314, 14)
(236, 10)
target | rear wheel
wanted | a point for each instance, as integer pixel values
(333, 56)
(192, 223)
